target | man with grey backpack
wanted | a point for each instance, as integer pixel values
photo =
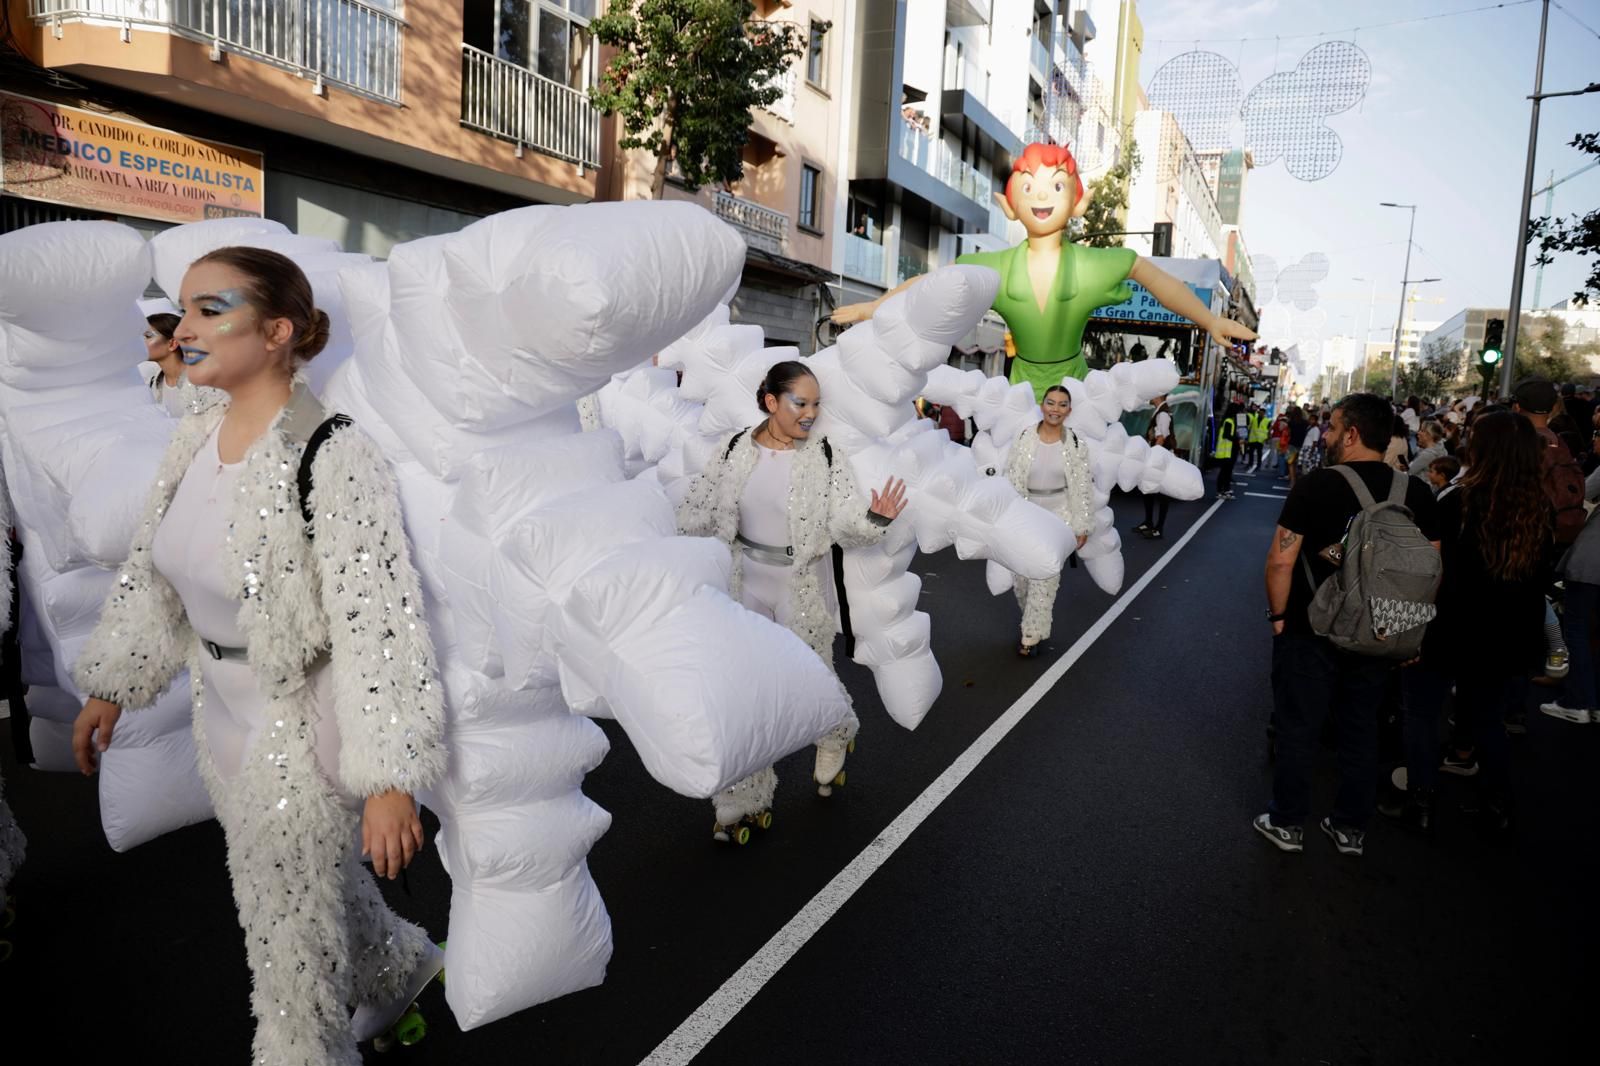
(1351, 576)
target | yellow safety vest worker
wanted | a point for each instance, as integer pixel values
(1224, 448)
(1258, 428)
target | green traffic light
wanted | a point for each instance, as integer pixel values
(1490, 356)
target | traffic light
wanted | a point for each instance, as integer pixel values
(1494, 331)
(1161, 240)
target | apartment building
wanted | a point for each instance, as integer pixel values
(368, 121)
(940, 93)
(784, 203)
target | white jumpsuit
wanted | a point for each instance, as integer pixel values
(188, 553)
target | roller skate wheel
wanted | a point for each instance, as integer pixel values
(741, 835)
(764, 820)
(442, 946)
(411, 1028)
(839, 779)
(5, 951)
(851, 747)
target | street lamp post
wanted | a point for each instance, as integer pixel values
(1514, 312)
(1399, 322)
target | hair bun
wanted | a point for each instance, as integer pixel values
(314, 339)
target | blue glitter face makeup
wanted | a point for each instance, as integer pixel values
(210, 305)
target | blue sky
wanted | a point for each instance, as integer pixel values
(1444, 125)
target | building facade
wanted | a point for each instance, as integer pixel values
(361, 120)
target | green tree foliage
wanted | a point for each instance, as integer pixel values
(684, 78)
(1578, 233)
(1108, 198)
(1543, 348)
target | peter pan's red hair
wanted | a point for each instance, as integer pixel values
(1037, 157)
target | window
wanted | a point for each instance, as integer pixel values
(549, 37)
(810, 183)
(816, 56)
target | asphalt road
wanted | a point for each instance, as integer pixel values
(1091, 893)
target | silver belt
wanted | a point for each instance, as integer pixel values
(771, 554)
(220, 653)
(1040, 493)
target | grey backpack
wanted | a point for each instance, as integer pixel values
(1381, 600)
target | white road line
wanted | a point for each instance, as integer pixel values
(1265, 495)
(697, 1030)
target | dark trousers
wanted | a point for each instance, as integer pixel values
(1252, 454)
(1225, 474)
(1155, 510)
(1577, 619)
(1312, 679)
(1482, 701)
(1424, 688)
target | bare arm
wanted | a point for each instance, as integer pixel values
(1281, 557)
(850, 314)
(1177, 297)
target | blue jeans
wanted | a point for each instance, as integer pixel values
(1424, 689)
(1578, 613)
(1311, 680)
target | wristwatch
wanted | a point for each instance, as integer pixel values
(1276, 617)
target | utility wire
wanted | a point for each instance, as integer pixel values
(1358, 29)
(1576, 19)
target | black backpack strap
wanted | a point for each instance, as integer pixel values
(732, 441)
(303, 478)
(844, 602)
(827, 452)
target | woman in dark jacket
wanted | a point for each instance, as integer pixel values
(1488, 635)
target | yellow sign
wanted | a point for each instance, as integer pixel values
(65, 155)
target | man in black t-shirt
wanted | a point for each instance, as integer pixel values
(1310, 677)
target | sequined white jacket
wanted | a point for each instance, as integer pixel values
(1076, 505)
(824, 509)
(351, 592)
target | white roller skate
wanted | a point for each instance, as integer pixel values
(399, 1021)
(744, 804)
(828, 771)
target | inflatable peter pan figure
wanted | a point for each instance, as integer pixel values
(1049, 286)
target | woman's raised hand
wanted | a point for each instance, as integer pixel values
(891, 501)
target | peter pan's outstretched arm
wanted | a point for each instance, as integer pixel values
(1177, 297)
(850, 314)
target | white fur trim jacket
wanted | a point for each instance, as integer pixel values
(1076, 505)
(347, 589)
(824, 509)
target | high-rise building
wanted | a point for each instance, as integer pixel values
(350, 119)
(939, 94)
(784, 203)
(1226, 172)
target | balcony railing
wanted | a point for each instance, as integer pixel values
(864, 260)
(761, 227)
(783, 106)
(505, 100)
(933, 156)
(351, 43)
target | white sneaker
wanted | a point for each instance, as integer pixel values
(1567, 714)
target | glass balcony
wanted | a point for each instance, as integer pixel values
(932, 156)
(864, 260)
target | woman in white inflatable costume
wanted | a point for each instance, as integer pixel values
(780, 501)
(1050, 466)
(316, 708)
